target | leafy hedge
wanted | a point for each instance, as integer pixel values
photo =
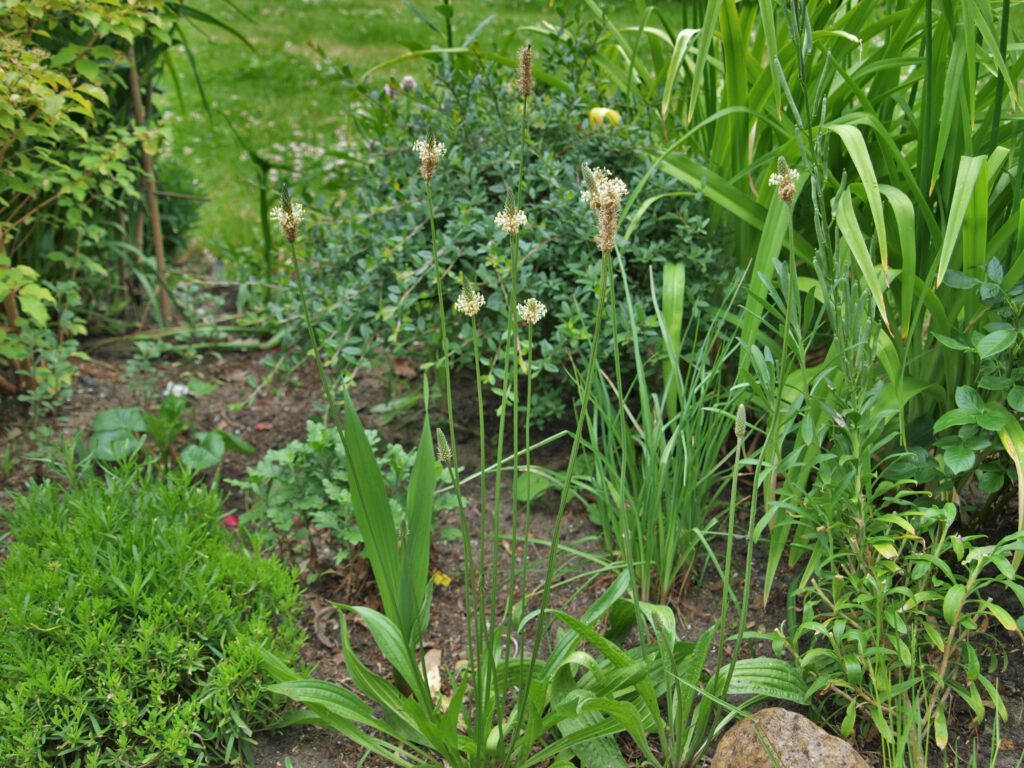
(130, 629)
(75, 230)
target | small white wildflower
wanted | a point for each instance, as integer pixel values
(408, 83)
(430, 152)
(531, 311)
(469, 302)
(289, 215)
(785, 179)
(510, 219)
(178, 390)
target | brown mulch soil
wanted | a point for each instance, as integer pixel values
(276, 414)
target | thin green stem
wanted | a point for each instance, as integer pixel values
(727, 571)
(511, 368)
(477, 604)
(332, 407)
(523, 135)
(563, 501)
(744, 604)
(625, 532)
(469, 586)
(529, 464)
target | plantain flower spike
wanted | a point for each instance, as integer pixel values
(603, 193)
(526, 70)
(469, 302)
(531, 311)
(430, 152)
(444, 450)
(785, 179)
(741, 423)
(289, 215)
(510, 219)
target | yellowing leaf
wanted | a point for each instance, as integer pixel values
(886, 550)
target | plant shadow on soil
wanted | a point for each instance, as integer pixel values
(274, 417)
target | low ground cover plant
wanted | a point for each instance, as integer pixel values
(131, 628)
(120, 434)
(304, 488)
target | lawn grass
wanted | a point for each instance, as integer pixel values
(278, 92)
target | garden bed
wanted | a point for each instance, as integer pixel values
(273, 417)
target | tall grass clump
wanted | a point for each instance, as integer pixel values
(917, 138)
(885, 260)
(656, 445)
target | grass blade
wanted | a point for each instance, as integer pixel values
(854, 238)
(372, 511)
(966, 179)
(858, 150)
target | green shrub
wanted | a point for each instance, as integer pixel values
(130, 629)
(71, 146)
(370, 269)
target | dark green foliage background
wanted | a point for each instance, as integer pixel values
(368, 260)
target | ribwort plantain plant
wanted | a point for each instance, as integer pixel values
(505, 707)
(498, 703)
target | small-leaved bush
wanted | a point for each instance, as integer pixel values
(383, 295)
(130, 627)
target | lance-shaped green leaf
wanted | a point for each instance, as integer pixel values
(854, 238)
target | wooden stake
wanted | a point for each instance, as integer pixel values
(151, 196)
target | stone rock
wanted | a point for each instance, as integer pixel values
(796, 741)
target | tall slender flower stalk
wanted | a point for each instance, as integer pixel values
(289, 216)
(511, 219)
(784, 180)
(604, 194)
(430, 152)
(494, 731)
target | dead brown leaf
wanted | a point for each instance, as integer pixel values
(404, 368)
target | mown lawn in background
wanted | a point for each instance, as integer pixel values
(277, 92)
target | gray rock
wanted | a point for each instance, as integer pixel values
(796, 741)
